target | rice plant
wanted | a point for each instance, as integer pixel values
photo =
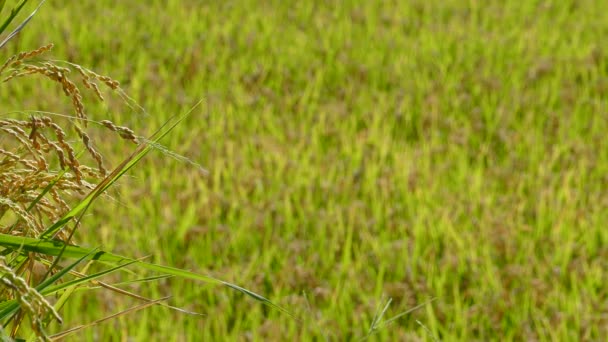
(50, 173)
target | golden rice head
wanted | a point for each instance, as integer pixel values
(40, 170)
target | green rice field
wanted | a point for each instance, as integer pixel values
(423, 170)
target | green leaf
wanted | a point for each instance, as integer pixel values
(21, 26)
(23, 23)
(55, 248)
(58, 287)
(13, 14)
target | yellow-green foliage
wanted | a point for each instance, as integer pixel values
(357, 151)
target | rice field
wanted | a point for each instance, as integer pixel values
(384, 170)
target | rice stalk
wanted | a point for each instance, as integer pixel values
(42, 170)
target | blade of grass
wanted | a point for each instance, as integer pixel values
(82, 279)
(392, 319)
(21, 26)
(12, 16)
(376, 325)
(378, 317)
(143, 280)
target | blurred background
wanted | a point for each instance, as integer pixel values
(448, 154)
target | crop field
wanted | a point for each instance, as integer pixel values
(384, 170)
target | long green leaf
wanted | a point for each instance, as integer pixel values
(21, 26)
(55, 247)
(58, 287)
(13, 14)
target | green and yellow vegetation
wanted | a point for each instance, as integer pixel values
(447, 158)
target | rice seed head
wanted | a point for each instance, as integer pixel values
(30, 300)
(40, 170)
